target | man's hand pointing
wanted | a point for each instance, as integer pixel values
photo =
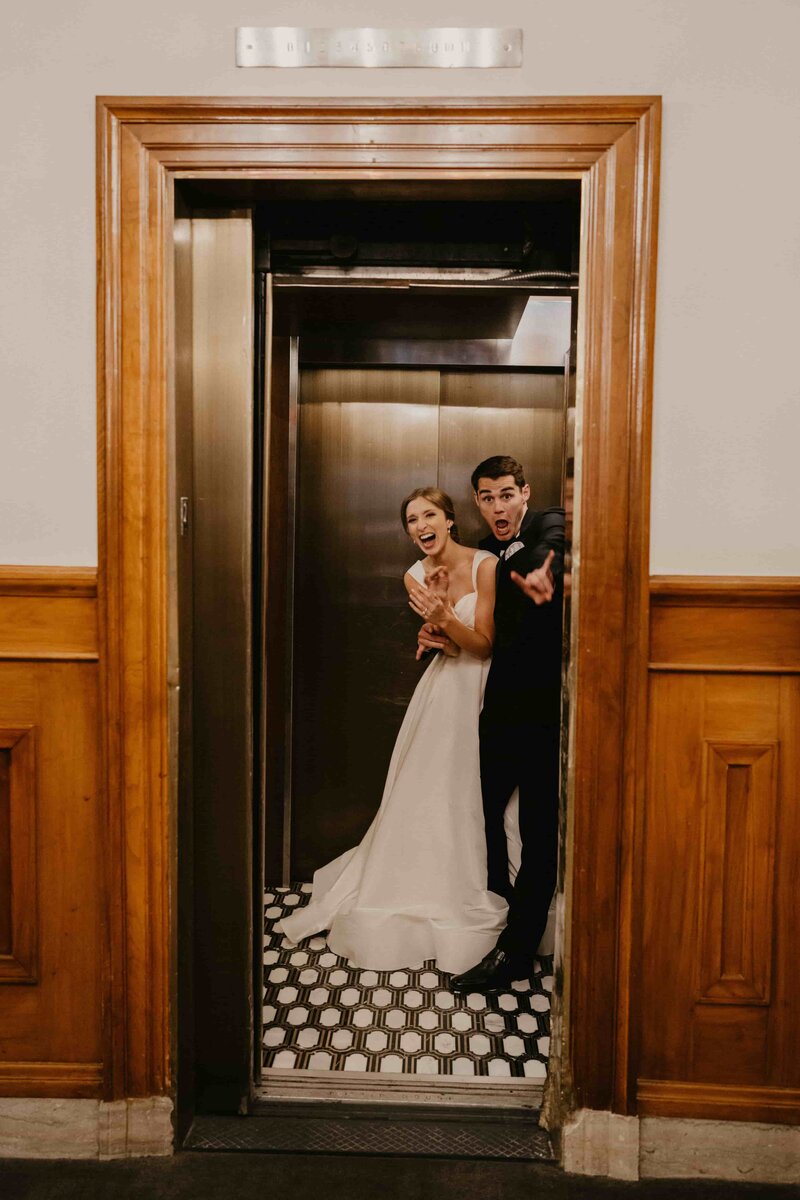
(538, 586)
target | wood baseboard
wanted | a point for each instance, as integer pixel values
(719, 1102)
(56, 1079)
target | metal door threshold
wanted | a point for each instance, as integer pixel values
(439, 1092)
(410, 1131)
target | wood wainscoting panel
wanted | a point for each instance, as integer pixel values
(720, 624)
(18, 887)
(671, 871)
(48, 613)
(737, 870)
(52, 1020)
(729, 1044)
(720, 994)
(6, 921)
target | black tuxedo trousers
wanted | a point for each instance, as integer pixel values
(524, 756)
(520, 730)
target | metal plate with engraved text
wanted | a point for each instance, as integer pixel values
(289, 46)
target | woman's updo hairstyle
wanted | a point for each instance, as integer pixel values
(438, 498)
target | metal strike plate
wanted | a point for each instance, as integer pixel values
(295, 46)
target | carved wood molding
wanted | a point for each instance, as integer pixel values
(48, 581)
(739, 807)
(48, 614)
(18, 879)
(612, 144)
(767, 591)
(505, 110)
(728, 624)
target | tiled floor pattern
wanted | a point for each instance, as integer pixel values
(320, 1014)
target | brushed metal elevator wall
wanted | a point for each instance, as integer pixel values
(366, 437)
(213, 442)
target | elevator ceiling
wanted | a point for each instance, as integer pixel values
(398, 312)
(424, 326)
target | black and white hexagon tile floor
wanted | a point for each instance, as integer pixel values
(320, 1014)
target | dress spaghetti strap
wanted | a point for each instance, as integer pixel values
(480, 555)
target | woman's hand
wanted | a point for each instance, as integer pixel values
(431, 606)
(438, 582)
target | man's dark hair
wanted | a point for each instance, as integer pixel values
(497, 466)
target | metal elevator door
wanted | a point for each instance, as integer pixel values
(365, 437)
(212, 634)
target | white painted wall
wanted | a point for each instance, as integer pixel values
(727, 409)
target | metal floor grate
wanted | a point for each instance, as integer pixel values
(410, 1134)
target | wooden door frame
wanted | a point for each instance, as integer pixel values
(612, 145)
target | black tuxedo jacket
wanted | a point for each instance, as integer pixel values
(524, 682)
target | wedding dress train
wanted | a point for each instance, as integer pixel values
(414, 889)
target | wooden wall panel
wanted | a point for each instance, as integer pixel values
(725, 624)
(6, 923)
(718, 1012)
(51, 861)
(18, 882)
(720, 994)
(738, 865)
(48, 613)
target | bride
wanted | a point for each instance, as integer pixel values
(414, 889)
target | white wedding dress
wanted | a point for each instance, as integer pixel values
(414, 889)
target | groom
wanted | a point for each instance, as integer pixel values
(521, 717)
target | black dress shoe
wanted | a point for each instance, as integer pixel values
(494, 973)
